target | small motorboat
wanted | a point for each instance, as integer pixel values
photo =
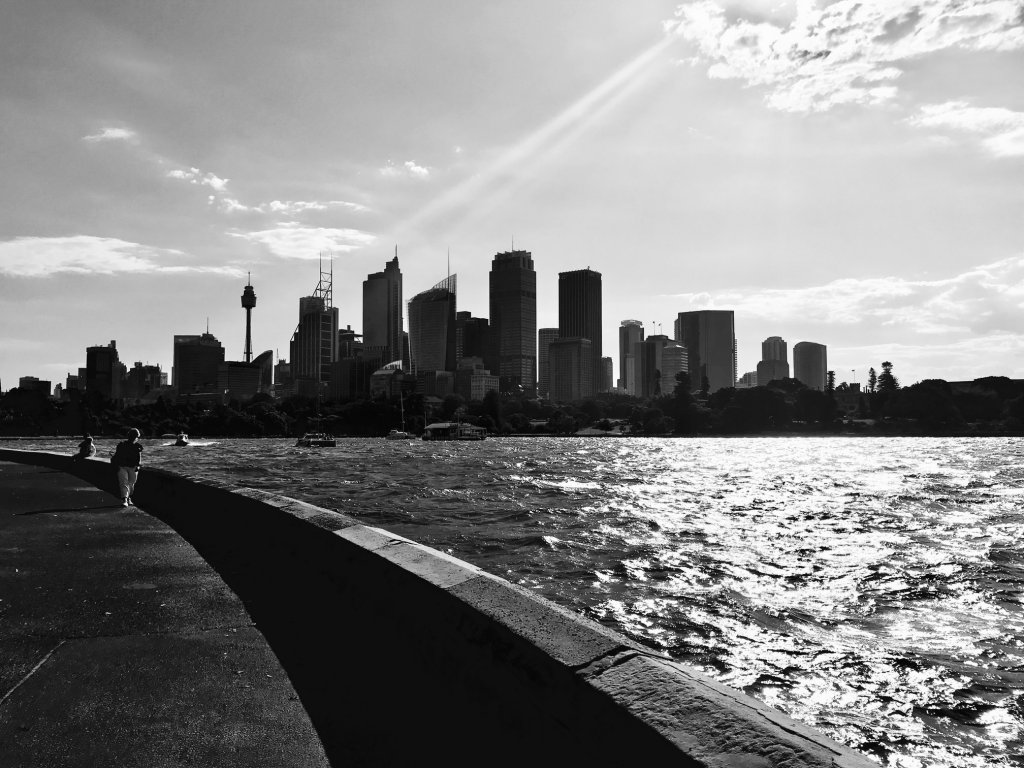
(181, 439)
(399, 434)
(316, 440)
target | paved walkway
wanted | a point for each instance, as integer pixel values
(120, 646)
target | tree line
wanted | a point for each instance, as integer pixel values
(991, 405)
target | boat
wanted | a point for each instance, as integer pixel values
(400, 434)
(316, 440)
(453, 430)
(181, 439)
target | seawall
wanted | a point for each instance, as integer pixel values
(402, 654)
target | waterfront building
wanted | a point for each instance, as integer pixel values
(196, 358)
(810, 364)
(709, 336)
(432, 328)
(579, 317)
(544, 338)
(314, 345)
(472, 336)
(631, 333)
(382, 310)
(513, 321)
(572, 370)
(104, 372)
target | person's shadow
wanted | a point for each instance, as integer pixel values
(57, 510)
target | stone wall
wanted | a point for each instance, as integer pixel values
(404, 655)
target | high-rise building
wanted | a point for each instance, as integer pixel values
(810, 364)
(382, 310)
(607, 375)
(631, 333)
(545, 336)
(658, 360)
(196, 359)
(513, 308)
(774, 361)
(432, 328)
(472, 336)
(709, 336)
(141, 380)
(104, 372)
(579, 316)
(31, 383)
(572, 369)
(314, 345)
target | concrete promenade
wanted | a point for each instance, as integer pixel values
(120, 645)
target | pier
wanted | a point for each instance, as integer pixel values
(217, 625)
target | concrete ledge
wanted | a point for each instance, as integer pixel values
(404, 654)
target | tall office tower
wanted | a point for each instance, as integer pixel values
(34, 384)
(314, 345)
(709, 336)
(774, 361)
(545, 337)
(104, 372)
(382, 310)
(631, 333)
(607, 375)
(579, 316)
(432, 328)
(513, 306)
(195, 362)
(141, 380)
(248, 302)
(472, 337)
(658, 360)
(810, 364)
(572, 369)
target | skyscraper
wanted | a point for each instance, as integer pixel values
(709, 336)
(572, 369)
(545, 337)
(579, 316)
(104, 371)
(314, 345)
(248, 302)
(810, 364)
(631, 333)
(513, 308)
(382, 311)
(774, 361)
(432, 328)
(472, 336)
(196, 358)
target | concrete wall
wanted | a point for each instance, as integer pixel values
(403, 655)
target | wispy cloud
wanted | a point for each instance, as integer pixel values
(407, 169)
(1001, 130)
(847, 52)
(196, 176)
(85, 254)
(983, 300)
(111, 134)
(292, 240)
(292, 207)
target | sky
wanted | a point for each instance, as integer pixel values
(849, 173)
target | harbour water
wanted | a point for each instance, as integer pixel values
(869, 587)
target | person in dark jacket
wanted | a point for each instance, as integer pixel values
(128, 459)
(86, 448)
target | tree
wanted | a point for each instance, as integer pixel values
(886, 381)
(830, 383)
(872, 380)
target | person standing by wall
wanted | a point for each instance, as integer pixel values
(127, 458)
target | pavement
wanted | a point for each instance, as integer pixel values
(121, 646)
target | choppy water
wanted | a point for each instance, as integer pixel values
(869, 587)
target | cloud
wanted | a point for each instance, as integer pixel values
(1001, 130)
(195, 176)
(408, 168)
(86, 254)
(292, 207)
(983, 300)
(292, 240)
(847, 52)
(111, 134)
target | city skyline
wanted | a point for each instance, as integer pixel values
(700, 155)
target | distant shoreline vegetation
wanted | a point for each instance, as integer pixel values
(990, 406)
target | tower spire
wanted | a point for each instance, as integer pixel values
(248, 302)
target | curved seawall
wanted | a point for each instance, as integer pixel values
(403, 654)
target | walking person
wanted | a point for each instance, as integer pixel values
(127, 458)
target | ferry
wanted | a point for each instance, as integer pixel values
(453, 430)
